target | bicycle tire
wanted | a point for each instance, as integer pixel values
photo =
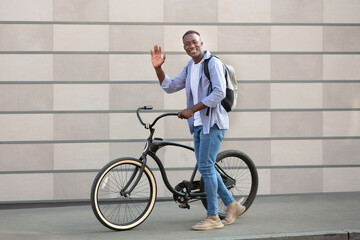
(119, 212)
(239, 166)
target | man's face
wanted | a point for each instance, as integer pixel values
(193, 45)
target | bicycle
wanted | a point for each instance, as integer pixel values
(123, 193)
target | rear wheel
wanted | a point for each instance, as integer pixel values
(110, 206)
(240, 176)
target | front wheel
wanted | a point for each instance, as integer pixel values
(110, 206)
(239, 175)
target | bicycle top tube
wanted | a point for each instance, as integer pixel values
(147, 125)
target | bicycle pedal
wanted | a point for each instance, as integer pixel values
(184, 205)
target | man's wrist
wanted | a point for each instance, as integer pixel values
(198, 107)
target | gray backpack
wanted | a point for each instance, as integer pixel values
(229, 102)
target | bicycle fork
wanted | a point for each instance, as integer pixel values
(126, 193)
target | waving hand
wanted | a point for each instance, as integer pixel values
(156, 58)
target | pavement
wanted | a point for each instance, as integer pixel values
(296, 217)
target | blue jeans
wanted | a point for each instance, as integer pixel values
(206, 148)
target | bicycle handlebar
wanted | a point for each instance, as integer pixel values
(147, 125)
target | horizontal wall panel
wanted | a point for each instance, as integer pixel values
(81, 126)
(80, 156)
(73, 185)
(85, 97)
(81, 38)
(249, 67)
(339, 95)
(249, 125)
(296, 67)
(136, 11)
(300, 152)
(292, 11)
(342, 123)
(26, 157)
(296, 38)
(81, 67)
(35, 97)
(190, 11)
(341, 67)
(26, 67)
(335, 11)
(21, 187)
(130, 97)
(30, 127)
(79, 10)
(292, 95)
(244, 11)
(348, 182)
(345, 151)
(285, 181)
(119, 66)
(135, 38)
(24, 10)
(175, 100)
(244, 38)
(296, 124)
(341, 39)
(254, 96)
(26, 37)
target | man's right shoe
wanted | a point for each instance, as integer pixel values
(233, 211)
(210, 222)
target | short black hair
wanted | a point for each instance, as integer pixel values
(191, 32)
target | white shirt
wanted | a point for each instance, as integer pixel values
(194, 86)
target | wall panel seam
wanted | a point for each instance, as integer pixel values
(177, 110)
(182, 53)
(112, 82)
(182, 140)
(183, 23)
(178, 169)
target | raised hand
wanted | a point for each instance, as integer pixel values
(156, 58)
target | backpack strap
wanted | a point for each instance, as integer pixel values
(206, 68)
(207, 74)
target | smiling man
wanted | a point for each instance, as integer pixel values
(207, 120)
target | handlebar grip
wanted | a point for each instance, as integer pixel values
(148, 107)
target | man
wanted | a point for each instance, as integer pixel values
(207, 119)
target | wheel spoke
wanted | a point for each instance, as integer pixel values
(116, 211)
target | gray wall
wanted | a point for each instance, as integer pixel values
(72, 72)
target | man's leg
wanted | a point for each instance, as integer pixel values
(206, 148)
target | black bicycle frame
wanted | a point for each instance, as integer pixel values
(154, 147)
(151, 147)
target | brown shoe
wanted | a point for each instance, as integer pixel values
(210, 222)
(233, 211)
